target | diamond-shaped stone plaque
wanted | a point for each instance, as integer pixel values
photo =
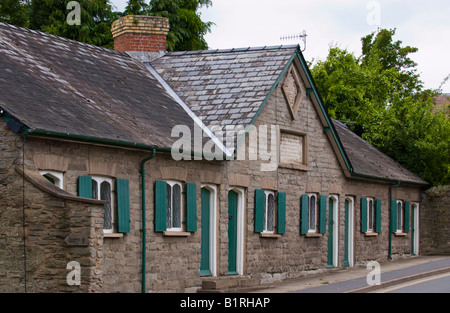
(292, 90)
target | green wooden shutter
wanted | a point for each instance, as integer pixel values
(85, 187)
(191, 207)
(363, 215)
(406, 220)
(323, 214)
(160, 206)
(378, 216)
(123, 205)
(393, 216)
(259, 210)
(281, 207)
(304, 215)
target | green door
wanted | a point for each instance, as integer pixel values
(347, 234)
(232, 232)
(330, 232)
(205, 269)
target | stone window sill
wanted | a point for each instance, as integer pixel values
(168, 233)
(370, 234)
(313, 235)
(269, 235)
(400, 234)
(295, 166)
(112, 235)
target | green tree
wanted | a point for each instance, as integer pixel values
(187, 30)
(14, 12)
(353, 93)
(379, 47)
(136, 7)
(381, 98)
(415, 134)
(50, 16)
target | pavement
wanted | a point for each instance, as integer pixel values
(354, 279)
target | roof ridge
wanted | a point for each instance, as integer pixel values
(61, 38)
(230, 50)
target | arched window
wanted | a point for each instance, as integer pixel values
(55, 177)
(312, 213)
(174, 206)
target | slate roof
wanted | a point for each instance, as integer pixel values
(369, 162)
(225, 87)
(55, 85)
(58, 85)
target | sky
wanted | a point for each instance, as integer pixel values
(254, 23)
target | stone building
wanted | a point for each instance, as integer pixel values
(139, 170)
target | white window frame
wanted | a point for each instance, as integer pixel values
(171, 184)
(371, 215)
(99, 180)
(315, 229)
(266, 211)
(400, 218)
(58, 177)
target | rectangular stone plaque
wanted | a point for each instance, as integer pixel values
(72, 240)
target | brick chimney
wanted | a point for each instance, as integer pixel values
(140, 33)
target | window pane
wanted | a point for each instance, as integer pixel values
(176, 208)
(94, 189)
(105, 194)
(370, 213)
(399, 216)
(270, 212)
(312, 212)
(50, 178)
(169, 206)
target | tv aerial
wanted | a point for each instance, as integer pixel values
(300, 36)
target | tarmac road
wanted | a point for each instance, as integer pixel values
(432, 284)
(355, 279)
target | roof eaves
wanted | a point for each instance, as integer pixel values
(388, 180)
(93, 140)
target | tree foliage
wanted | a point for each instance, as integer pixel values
(187, 30)
(50, 16)
(136, 7)
(13, 12)
(380, 96)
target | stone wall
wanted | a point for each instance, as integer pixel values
(114, 263)
(37, 260)
(11, 213)
(435, 221)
